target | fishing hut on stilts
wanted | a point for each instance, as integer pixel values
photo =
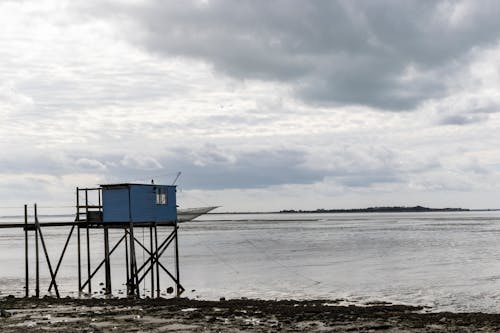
(122, 209)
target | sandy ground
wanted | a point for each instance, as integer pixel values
(184, 315)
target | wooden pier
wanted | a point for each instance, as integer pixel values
(89, 217)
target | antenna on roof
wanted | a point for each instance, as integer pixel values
(176, 178)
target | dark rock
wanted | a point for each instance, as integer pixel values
(4, 314)
(379, 327)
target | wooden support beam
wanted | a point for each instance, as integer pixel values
(79, 255)
(103, 261)
(62, 255)
(178, 288)
(163, 246)
(127, 261)
(37, 264)
(152, 264)
(88, 240)
(157, 262)
(47, 258)
(26, 253)
(107, 266)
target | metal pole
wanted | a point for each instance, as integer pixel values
(26, 261)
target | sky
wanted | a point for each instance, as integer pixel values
(262, 105)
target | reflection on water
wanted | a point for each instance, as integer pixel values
(450, 261)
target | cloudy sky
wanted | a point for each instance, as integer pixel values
(262, 105)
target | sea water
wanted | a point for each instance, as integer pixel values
(444, 260)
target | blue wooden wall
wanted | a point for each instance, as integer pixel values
(138, 203)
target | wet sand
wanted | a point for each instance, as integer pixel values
(243, 315)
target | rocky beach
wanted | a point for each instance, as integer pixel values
(238, 315)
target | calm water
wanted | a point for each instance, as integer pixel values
(449, 261)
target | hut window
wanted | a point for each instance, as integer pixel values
(161, 196)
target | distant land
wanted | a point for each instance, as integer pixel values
(384, 209)
(395, 209)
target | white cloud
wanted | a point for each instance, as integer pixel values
(91, 164)
(140, 162)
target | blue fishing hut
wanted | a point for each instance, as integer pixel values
(138, 203)
(128, 206)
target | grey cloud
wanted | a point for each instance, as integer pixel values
(35, 163)
(339, 52)
(372, 87)
(248, 170)
(471, 111)
(210, 167)
(462, 119)
(366, 179)
(46, 163)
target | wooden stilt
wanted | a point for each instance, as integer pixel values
(62, 255)
(163, 247)
(103, 261)
(37, 263)
(152, 262)
(79, 258)
(134, 288)
(88, 260)
(107, 261)
(127, 262)
(79, 261)
(26, 259)
(156, 260)
(88, 240)
(177, 273)
(47, 258)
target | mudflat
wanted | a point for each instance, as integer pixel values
(241, 315)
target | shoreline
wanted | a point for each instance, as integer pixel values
(235, 315)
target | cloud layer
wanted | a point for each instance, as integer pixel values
(390, 55)
(261, 104)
